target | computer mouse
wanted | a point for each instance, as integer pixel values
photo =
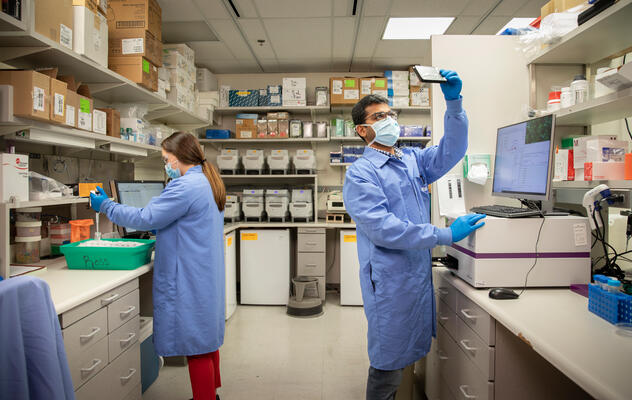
(502, 294)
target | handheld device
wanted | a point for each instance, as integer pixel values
(136, 194)
(429, 74)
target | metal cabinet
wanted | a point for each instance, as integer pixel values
(230, 263)
(311, 259)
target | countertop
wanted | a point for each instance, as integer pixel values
(238, 225)
(72, 287)
(556, 323)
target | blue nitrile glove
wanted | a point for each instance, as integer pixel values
(452, 88)
(464, 225)
(97, 199)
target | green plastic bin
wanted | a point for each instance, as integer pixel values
(108, 257)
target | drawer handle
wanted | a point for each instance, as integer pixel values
(128, 377)
(441, 356)
(110, 299)
(95, 363)
(466, 314)
(125, 342)
(442, 318)
(85, 338)
(464, 343)
(311, 243)
(442, 291)
(310, 265)
(125, 314)
(463, 390)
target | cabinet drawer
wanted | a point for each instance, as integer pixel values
(320, 231)
(468, 382)
(310, 264)
(447, 293)
(116, 381)
(135, 394)
(447, 353)
(444, 390)
(90, 362)
(311, 242)
(85, 333)
(124, 337)
(476, 318)
(475, 349)
(446, 317)
(123, 310)
(75, 314)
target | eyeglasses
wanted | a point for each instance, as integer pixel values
(380, 115)
(165, 160)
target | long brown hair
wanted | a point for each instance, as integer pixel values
(187, 150)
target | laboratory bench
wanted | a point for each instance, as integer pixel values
(233, 226)
(546, 344)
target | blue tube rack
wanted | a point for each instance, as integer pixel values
(613, 307)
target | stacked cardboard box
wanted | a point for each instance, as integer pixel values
(398, 87)
(294, 92)
(179, 59)
(90, 37)
(31, 93)
(344, 90)
(54, 19)
(135, 40)
(419, 92)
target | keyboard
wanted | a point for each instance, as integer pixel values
(505, 211)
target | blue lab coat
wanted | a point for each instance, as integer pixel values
(389, 201)
(189, 286)
(33, 362)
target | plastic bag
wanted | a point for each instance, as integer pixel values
(552, 28)
(132, 110)
(43, 188)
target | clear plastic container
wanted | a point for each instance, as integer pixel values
(27, 249)
(614, 286)
(28, 229)
(80, 229)
(33, 214)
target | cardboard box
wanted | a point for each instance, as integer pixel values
(130, 18)
(245, 128)
(419, 96)
(335, 90)
(563, 5)
(72, 108)
(365, 86)
(548, 8)
(54, 19)
(103, 7)
(92, 5)
(137, 69)
(145, 45)
(113, 121)
(397, 75)
(90, 36)
(343, 90)
(57, 96)
(99, 122)
(14, 177)
(274, 93)
(31, 93)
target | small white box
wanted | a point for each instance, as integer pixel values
(564, 170)
(180, 48)
(294, 83)
(606, 150)
(205, 80)
(14, 177)
(90, 34)
(617, 79)
(84, 120)
(597, 171)
(99, 122)
(579, 148)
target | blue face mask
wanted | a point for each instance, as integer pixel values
(171, 172)
(386, 132)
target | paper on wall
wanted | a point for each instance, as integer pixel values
(450, 192)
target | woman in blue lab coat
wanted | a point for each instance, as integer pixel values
(188, 287)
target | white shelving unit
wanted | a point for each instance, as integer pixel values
(614, 184)
(292, 109)
(595, 111)
(269, 176)
(401, 138)
(44, 203)
(287, 140)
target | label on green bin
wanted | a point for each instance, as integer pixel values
(145, 66)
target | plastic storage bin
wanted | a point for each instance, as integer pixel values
(33, 214)
(27, 249)
(118, 258)
(28, 229)
(80, 229)
(613, 307)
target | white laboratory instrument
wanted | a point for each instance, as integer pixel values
(230, 262)
(252, 204)
(350, 291)
(335, 203)
(265, 274)
(304, 161)
(228, 161)
(232, 209)
(490, 257)
(253, 162)
(277, 204)
(279, 161)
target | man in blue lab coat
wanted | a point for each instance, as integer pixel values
(386, 194)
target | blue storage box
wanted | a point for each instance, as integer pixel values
(247, 116)
(243, 98)
(217, 134)
(263, 98)
(613, 307)
(274, 95)
(335, 157)
(350, 158)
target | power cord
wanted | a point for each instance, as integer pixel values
(535, 262)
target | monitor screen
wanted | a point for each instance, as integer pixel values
(524, 154)
(138, 194)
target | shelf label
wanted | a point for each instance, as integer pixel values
(581, 237)
(145, 66)
(59, 105)
(249, 236)
(38, 99)
(336, 87)
(70, 115)
(133, 46)
(84, 106)
(349, 238)
(229, 241)
(65, 36)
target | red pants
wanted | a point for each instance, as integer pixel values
(204, 374)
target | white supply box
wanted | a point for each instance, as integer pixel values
(302, 195)
(304, 160)
(253, 160)
(252, 196)
(205, 80)
(99, 122)
(279, 160)
(232, 211)
(14, 177)
(90, 34)
(228, 160)
(302, 209)
(490, 257)
(182, 49)
(294, 92)
(579, 153)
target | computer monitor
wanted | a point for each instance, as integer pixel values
(137, 194)
(524, 159)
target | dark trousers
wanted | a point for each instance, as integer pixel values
(383, 385)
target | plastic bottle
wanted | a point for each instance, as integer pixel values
(567, 99)
(614, 286)
(579, 87)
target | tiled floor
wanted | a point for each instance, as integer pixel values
(268, 355)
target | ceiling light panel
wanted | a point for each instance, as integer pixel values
(293, 8)
(427, 8)
(415, 28)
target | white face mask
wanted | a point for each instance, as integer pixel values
(386, 131)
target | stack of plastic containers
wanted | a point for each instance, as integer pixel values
(59, 235)
(28, 228)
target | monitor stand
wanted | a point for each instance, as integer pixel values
(548, 211)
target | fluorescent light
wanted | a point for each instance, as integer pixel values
(516, 23)
(415, 28)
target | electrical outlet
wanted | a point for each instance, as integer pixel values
(627, 198)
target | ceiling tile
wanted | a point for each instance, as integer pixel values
(269, 64)
(530, 9)
(210, 9)
(507, 8)
(340, 64)
(246, 8)
(343, 36)
(184, 10)
(253, 29)
(369, 33)
(397, 49)
(375, 8)
(427, 8)
(462, 25)
(293, 8)
(305, 65)
(211, 50)
(380, 64)
(343, 8)
(230, 67)
(230, 35)
(478, 7)
(187, 31)
(491, 25)
(300, 38)
(361, 65)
